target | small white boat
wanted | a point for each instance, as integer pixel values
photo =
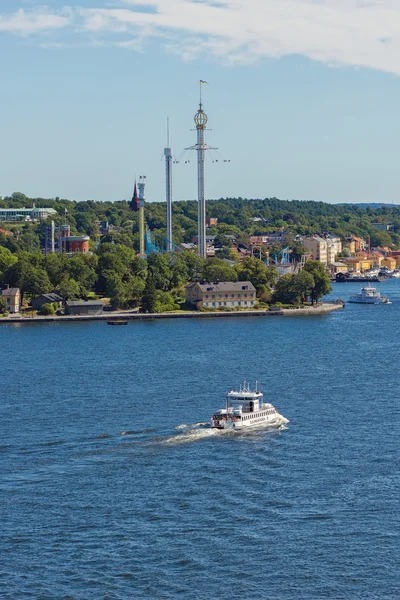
(369, 295)
(246, 408)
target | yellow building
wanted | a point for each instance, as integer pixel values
(13, 298)
(221, 295)
(389, 262)
(358, 264)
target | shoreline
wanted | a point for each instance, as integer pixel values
(320, 309)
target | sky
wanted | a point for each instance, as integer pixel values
(303, 97)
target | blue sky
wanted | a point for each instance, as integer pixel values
(303, 97)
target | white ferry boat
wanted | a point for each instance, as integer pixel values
(369, 295)
(246, 408)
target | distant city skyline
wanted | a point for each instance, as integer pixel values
(302, 97)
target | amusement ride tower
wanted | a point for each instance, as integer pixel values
(168, 183)
(141, 186)
(200, 120)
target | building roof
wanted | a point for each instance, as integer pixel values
(338, 264)
(227, 286)
(50, 297)
(84, 303)
(9, 291)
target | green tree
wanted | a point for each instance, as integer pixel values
(217, 268)
(35, 282)
(149, 298)
(322, 283)
(285, 290)
(160, 269)
(254, 270)
(3, 306)
(165, 302)
(303, 283)
(68, 288)
(7, 259)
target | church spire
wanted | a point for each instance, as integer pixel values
(135, 202)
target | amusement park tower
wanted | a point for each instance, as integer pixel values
(141, 185)
(168, 183)
(200, 120)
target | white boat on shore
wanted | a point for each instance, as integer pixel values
(246, 408)
(368, 295)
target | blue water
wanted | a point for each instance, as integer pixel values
(101, 496)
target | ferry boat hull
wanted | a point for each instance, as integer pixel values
(245, 409)
(368, 295)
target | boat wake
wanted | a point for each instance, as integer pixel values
(186, 426)
(203, 431)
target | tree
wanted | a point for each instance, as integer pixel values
(149, 298)
(7, 259)
(68, 288)
(217, 268)
(3, 306)
(285, 291)
(322, 283)
(160, 270)
(35, 282)
(165, 302)
(254, 270)
(303, 284)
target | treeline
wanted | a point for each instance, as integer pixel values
(115, 271)
(235, 217)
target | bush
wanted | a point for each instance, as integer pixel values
(47, 309)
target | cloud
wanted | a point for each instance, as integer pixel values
(363, 33)
(35, 21)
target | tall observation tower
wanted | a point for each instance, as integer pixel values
(168, 184)
(200, 120)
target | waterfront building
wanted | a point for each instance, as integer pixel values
(13, 298)
(84, 307)
(26, 214)
(357, 263)
(37, 303)
(376, 258)
(323, 248)
(339, 267)
(227, 294)
(389, 262)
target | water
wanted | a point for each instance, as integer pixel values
(110, 487)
